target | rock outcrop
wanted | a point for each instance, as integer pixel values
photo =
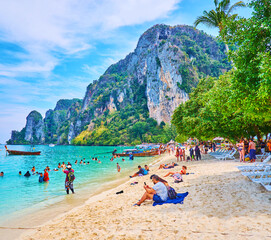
(149, 83)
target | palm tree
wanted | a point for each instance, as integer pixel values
(223, 10)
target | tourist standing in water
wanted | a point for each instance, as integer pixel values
(45, 176)
(69, 178)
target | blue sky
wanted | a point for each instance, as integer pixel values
(53, 49)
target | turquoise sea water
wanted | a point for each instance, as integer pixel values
(19, 192)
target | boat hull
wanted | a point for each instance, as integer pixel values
(14, 152)
(142, 154)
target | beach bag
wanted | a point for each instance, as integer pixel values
(171, 193)
(71, 176)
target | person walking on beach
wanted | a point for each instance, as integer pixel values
(191, 150)
(118, 167)
(197, 152)
(241, 149)
(252, 150)
(177, 154)
(69, 178)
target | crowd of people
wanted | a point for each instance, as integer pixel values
(247, 149)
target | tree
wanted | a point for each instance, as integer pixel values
(215, 18)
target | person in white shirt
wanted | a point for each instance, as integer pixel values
(157, 193)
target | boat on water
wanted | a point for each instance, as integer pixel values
(141, 151)
(136, 153)
(51, 145)
(15, 152)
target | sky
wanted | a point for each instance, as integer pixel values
(52, 50)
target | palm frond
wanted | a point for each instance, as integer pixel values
(205, 20)
(234, 6)
(224, 5)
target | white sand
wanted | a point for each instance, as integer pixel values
(222, 204)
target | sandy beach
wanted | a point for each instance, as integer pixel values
(222, 204)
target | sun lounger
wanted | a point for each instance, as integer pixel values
(266, 185)
(259, 174)
(227, 155)
(255, 166)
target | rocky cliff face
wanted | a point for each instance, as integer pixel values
(34, 127)
(149, 83)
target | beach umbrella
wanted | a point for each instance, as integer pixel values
(218, 138)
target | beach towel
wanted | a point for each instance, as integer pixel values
(179, 199)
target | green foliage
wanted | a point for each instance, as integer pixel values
(158, 61)
(238, 103)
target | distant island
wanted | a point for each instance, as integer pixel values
(133, 101)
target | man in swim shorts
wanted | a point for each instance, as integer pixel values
(252, 150)
(139, 173)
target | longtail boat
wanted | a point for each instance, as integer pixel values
(136, 153)
(14, 152)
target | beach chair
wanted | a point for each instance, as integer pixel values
(266, 185)
(264, 177)
(258, 173)
(261, 157)
(255, 166)
(227, 155)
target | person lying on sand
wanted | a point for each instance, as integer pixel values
(158, 193)
(182, 172)
(166, 166)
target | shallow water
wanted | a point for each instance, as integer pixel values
(19, 193)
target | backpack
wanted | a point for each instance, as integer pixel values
(145, 172)
(171, 193)
(71, 176)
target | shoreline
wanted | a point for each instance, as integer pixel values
(21, 222)
(222, 204)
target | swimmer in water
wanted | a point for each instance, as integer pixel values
(2, 174)
(59, 166)
(20, 173)
(33, 170)
(81, 161)
(87, 162)
(84, 163)
(75, 162)
(123, 159)
(99, 161)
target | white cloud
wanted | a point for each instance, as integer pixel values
(46, 27)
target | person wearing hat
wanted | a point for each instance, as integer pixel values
(69, 178)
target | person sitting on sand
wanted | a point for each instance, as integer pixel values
(139, 173)
(147, 168)
(158, 193)
(182, 172)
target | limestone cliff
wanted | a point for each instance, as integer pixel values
(145, 87)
